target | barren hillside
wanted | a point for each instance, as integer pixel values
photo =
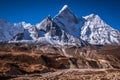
(28, 61)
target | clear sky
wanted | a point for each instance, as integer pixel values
(34, 11)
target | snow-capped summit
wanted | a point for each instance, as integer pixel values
(69, 22)
(45, 25)
(64, 8)
(96, 31)
(26, 25)
(91, 15)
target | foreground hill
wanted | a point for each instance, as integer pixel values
(38, 61)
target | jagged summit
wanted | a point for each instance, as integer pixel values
(25, 25)
(68, 21)
(96, 31)
(64, 8)
(91, 16)
(45, 25)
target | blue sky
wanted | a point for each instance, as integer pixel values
(34, 11)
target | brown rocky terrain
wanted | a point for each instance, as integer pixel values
(37, 62)
(75, 74)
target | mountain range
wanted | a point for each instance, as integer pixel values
(64, 29)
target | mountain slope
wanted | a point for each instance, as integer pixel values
(8, 30)
(25, 34)
(69, 22)
(96, 31)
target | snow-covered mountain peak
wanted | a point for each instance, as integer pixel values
(92, 16)
(26, 25)
(64, 8)
(68, 21)
(45, 25)
(96, 31)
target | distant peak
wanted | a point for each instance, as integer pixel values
(64, 8)
(92, 16)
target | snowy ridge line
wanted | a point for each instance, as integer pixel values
(64, 29)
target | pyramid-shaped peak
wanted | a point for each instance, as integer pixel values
(65, 7)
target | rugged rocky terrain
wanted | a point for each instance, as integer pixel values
(36, 62)
(76, 74)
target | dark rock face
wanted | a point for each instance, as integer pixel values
(48, 26)
(69, 22)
